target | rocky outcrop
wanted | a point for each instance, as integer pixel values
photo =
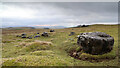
(95, 43)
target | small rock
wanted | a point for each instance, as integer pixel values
(38, 33)
(29, 37)
(23, 37)
(37, 36)
(52, 30)
(23, 34)
(45, 34)
(72, 33)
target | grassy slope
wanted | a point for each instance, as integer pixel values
(56, 54)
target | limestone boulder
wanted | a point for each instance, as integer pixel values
(95, 43)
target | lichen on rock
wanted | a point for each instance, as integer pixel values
(95, 43)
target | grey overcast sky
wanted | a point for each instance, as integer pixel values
(58, 13)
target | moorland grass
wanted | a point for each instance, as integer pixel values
(56, 54)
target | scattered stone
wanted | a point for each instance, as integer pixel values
(38, 33)
(72, 33)
(95, 43)
(23, 34)
(52, 30)
(45, 34)
(37, 36)
(23, 37)
(30, 37)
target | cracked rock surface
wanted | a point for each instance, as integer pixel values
(95, 43)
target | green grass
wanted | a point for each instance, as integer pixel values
(26, 52)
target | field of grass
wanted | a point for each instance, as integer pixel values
(56, 49)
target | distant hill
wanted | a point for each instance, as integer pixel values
(19, 28)
(37, 27)
(51, 27)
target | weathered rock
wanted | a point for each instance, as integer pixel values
(72, 33)
(37, 36)
(30, 37)
(38, 33)
(23, 34)
(23, 37)
(95, 42)
(52, 30)
(45, 34)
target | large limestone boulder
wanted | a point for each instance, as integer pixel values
(95, 43)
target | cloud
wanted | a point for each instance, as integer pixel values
(12, 11)
(43, 25)
(59, 13)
